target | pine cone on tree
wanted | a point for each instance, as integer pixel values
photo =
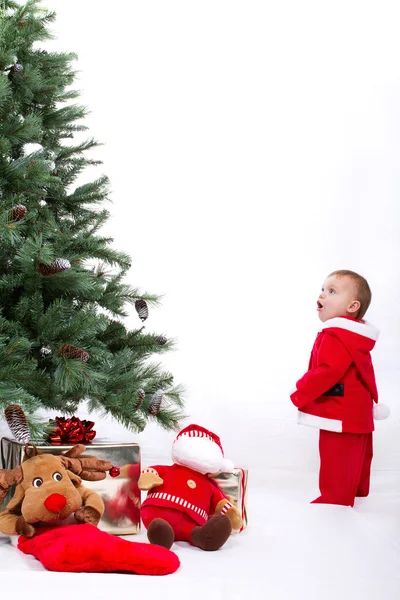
(155, 404)
(142, 309)
(18, 212)
(141, 397)
(17, 423)
(15, 70)
(17, 151)
(161, 340)
(57, 266)
(70, 351)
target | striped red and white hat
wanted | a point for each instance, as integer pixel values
(200, 432)
(200, 449)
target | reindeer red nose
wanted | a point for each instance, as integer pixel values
(55, 502)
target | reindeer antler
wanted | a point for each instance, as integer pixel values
(30, 450)
(87, 467)
(8, 478)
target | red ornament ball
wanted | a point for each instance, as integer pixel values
(114, 471)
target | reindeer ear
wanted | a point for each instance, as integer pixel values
(77, 481)
(15, 503)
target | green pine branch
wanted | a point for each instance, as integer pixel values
(82, 303)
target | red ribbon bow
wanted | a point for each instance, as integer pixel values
(72, 431)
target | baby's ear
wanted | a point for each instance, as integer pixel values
(77, 481)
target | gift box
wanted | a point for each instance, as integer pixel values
(121, 496)
(234, 486)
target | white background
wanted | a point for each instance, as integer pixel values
(252, 147)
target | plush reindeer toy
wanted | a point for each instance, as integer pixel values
(49, 490)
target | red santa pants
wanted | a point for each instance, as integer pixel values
(345, 467)
(180, 522)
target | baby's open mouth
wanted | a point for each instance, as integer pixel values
(319, 305)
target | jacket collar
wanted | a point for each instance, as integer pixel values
(361, 327)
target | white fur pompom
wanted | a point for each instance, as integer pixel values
(381, 411)
(228, 466)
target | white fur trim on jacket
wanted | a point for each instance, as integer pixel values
(319, 422)
(361, 327)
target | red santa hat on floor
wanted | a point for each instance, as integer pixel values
(201, 450)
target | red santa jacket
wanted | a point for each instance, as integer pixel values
(185, 490)
(339, 388)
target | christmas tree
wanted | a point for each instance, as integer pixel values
(63, 291)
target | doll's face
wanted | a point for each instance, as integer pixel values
(338, 298)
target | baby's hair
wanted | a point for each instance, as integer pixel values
(363, 290)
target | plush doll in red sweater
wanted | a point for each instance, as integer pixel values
(183, 503)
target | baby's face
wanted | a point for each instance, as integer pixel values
(337, 298)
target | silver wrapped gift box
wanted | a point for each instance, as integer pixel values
(121, 497)
(234, 486)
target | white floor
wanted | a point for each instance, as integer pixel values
(291, 550)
